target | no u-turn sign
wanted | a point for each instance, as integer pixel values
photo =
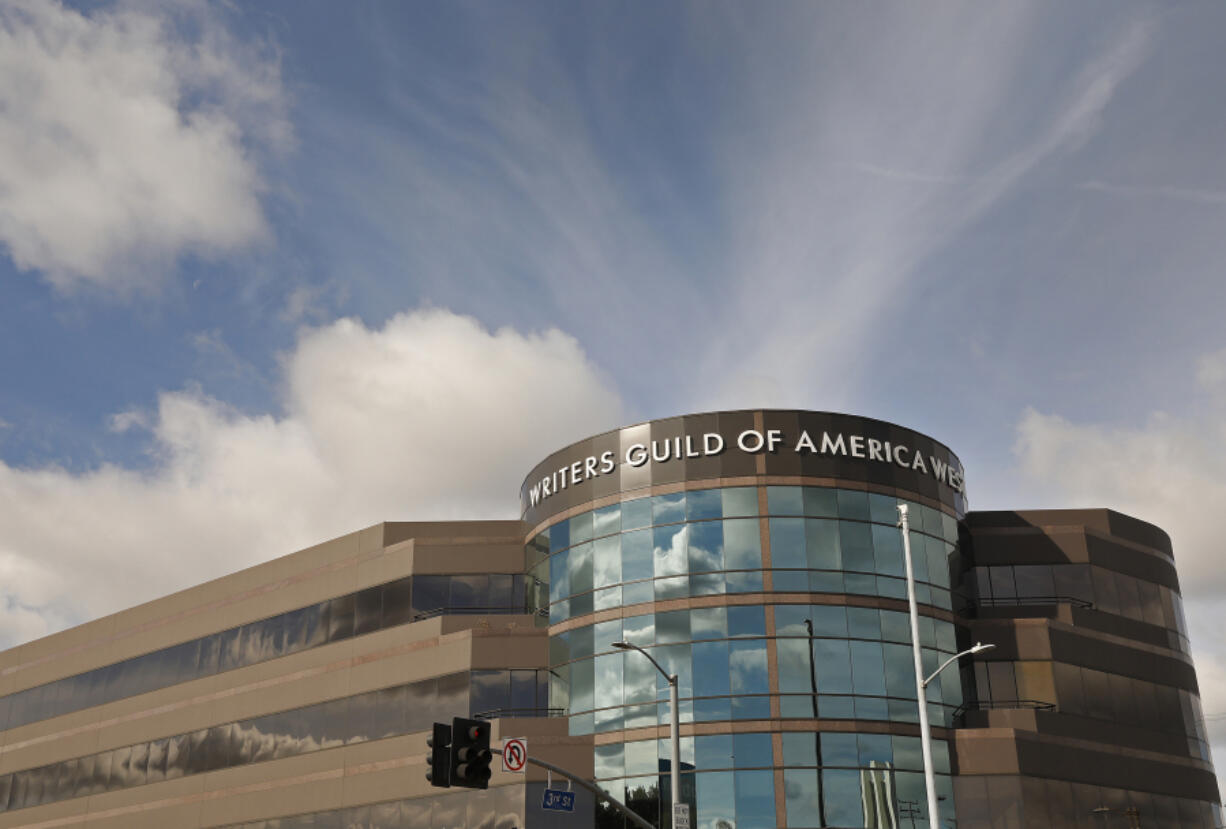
(514, 754)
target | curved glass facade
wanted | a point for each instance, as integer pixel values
(709, 541)
(782, 611)
(756, 555)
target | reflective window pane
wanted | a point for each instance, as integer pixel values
(784, 500)
(739, 501)
(746, 620)
(606, 520)
(636, 514)
(709, 622)
(788, 545)
(703, 504)
(340, 618)
(669, 550)
(606, 562)
(398, 602)
(581, 528)
(856, 546)
(706, 547)
(820, 502)
(755, 800)
(853, 504)
(801, 792)
(752, 750)
(668, 509)
(747, 665)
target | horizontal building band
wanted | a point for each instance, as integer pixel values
(987, 802)
(375, 608)
(387, 712)
(1003, 751)
(1055, 522)
(499, 808)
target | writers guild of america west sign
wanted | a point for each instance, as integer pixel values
(751, 442)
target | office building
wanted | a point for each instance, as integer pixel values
(754, 554)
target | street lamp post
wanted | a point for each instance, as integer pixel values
(921, 682)
(674, 736)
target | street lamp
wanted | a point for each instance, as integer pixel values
(978, 647)
(674, 737)
(921, 683)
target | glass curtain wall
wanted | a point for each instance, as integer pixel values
(775, 603)
(376, 608)
(374, 715)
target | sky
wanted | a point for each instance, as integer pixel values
(273, 272)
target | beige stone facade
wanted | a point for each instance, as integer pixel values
(317, 776)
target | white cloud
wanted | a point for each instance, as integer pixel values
(1171, 472)
(125, 143)
(311, 303)
(126, 421)
(1211, 372)
(429, 417)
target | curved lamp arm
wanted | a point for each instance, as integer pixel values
(630, 646)
(979, 647)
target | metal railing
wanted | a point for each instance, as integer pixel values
(1003, 704)
(1022, 601)
(495, 713)
(467, 610)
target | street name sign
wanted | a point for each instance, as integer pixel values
(556, 800)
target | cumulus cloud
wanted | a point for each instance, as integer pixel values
(429, 417)
(128, 138)
(1171, 471)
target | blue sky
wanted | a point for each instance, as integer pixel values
(261, 265)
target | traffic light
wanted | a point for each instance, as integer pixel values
(470, 753)
(440, 756)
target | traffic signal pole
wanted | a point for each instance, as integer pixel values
(600, 793)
